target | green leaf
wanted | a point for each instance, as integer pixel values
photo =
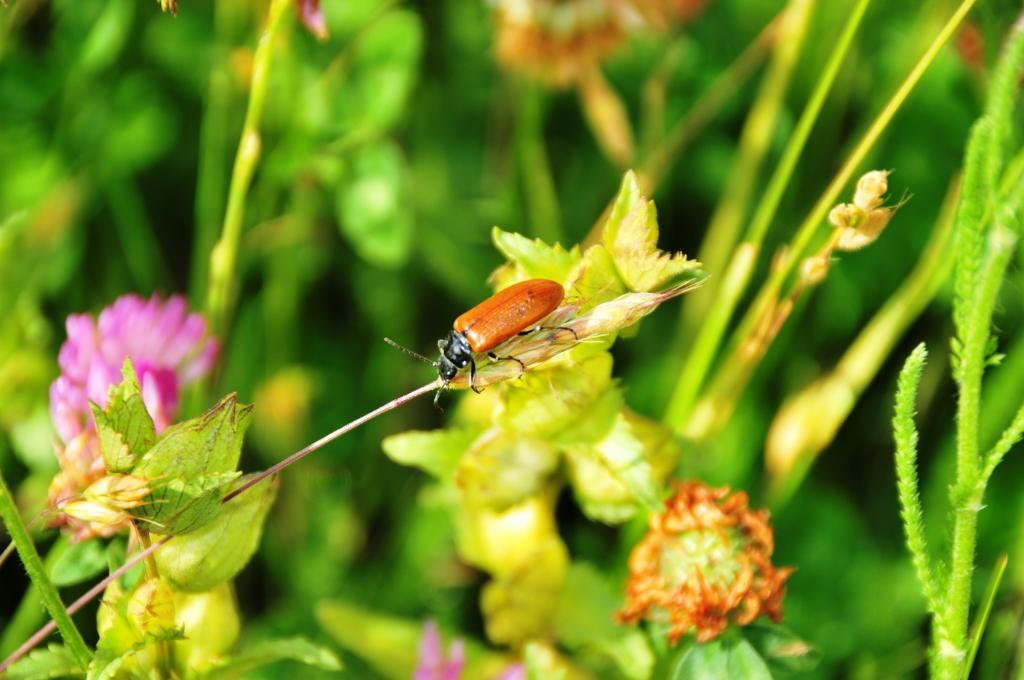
(374, 207)
(631, 236)
(202, 559)
(383, 72)
(585, 619)
(782, 649)
(56, 661)
(719, 659)
(181, 505)
(623, 456)
(436, 452)
(125, 428)
(500, 469)
(204, 446)
(595, 279)
(535, 258)
(270, 651)
(541, 664)
(80, 562)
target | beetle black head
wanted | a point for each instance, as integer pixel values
(455, 355)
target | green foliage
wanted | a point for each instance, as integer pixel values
(125, 428)
(55, 661)
(728, 658)
(216, 551)
(631, 236)
(80, 562)
(906, 474)
(387, 151)
(271, 651)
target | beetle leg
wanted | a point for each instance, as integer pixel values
(551, 328)
(472, 376)
(522, 366)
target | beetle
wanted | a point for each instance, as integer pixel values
(511, 311)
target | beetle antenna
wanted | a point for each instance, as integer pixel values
(410, 352)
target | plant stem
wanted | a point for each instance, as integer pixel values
(328, 438)
(87, 597)
(37, 572)
(667, 152)
(968, 490)
(724, 227)
(224, 256)
(212, 169)
(535, 168)
(97, 589)
(679, 415)
(30, 611)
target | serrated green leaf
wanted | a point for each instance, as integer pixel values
(80, 562)
(595, 279)
(535, 258)
(125, 428)
(585, 619)
(734, 659)
(178, 506)
(56, 661)
(436, 452)
(204, 446)
(202, 559)
(270, 651)
(631, 237)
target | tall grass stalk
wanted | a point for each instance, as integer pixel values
(224, 256)
(740, 268)
(37, 573)
(761, 123)
(725, 387)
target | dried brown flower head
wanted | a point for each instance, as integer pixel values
(705, 562)
(557, 41)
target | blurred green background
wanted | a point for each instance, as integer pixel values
(390, 150)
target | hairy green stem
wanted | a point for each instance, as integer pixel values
(224, 256)
(29, 613)
(967, 491)
(37, 572)
(740, 268)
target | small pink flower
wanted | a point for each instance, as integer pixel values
(432, 663)
(169, 348)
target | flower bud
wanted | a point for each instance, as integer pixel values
(122, 492)
(866, 232)
(520, 606)
(813, 270)
(151, 608)
(845, 216)
(871, 190)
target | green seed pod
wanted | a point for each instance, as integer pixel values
(199, 560)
